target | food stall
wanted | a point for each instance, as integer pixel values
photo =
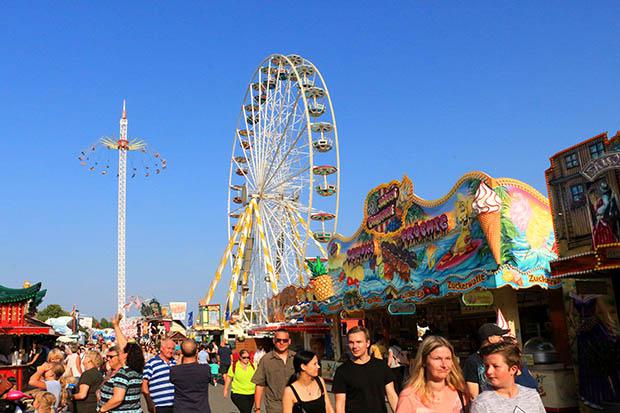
(444, 266)
(19, 329)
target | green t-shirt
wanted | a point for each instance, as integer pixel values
(242, 379)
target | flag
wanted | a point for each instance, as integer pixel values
(227, 312)
(501, 322)
(190, 318)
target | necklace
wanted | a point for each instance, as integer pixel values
(308, 390)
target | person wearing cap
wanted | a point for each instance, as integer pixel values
(473, 367)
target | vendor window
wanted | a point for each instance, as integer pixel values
(576, 192)
(597, 150)
(571, 160)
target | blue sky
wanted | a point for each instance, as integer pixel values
(424, 88)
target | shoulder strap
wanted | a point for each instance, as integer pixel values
(234, 367)
(318, 380)
(295, 393)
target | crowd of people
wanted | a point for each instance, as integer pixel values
(119, 377)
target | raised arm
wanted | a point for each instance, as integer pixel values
(36, 380)
(121, 340)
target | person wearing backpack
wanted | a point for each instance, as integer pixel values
(239, 380)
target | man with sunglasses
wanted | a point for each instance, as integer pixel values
(272, 374)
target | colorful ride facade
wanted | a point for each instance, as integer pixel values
(485, 233)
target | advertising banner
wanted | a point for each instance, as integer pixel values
(86, 322)
(178, 310)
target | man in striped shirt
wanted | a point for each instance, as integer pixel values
(156, 386)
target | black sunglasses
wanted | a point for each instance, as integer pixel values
(244, 358)
(281, 340)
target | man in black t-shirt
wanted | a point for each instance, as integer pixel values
(224, 356)
(361, 384)
(191, 381)
(474, 369)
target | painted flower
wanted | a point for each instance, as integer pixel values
(539, 228)
(520, 210)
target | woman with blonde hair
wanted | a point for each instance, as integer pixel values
(44, 402)
(85, 396)
(55, 355)
(436, 383)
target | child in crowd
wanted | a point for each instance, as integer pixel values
(502, 362)
(215, 372)
(47, 377)
(44, 402)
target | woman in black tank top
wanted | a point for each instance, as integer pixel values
(305, 391)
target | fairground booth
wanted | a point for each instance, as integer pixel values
(584, 183)
(446, 266)
(19, 330)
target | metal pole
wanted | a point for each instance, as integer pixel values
(122, 192)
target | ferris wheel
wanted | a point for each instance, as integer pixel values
(284, 184)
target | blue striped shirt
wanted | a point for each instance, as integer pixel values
(157, 373)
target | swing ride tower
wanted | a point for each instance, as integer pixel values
(98, 159)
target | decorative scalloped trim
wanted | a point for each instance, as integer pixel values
(492, 182)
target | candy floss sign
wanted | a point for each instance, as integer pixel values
(484, 233)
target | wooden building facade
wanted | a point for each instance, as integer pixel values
(584, 183)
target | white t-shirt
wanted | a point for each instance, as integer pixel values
(257, 356)
(54, 387)
(525, 401)
(72, 360)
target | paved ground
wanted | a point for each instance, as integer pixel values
(218, 403)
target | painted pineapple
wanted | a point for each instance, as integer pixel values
(321, 282)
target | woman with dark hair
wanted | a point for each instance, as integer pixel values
(239, 375)
(122, 392)
(305, 391)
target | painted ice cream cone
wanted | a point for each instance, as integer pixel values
(487, 204)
